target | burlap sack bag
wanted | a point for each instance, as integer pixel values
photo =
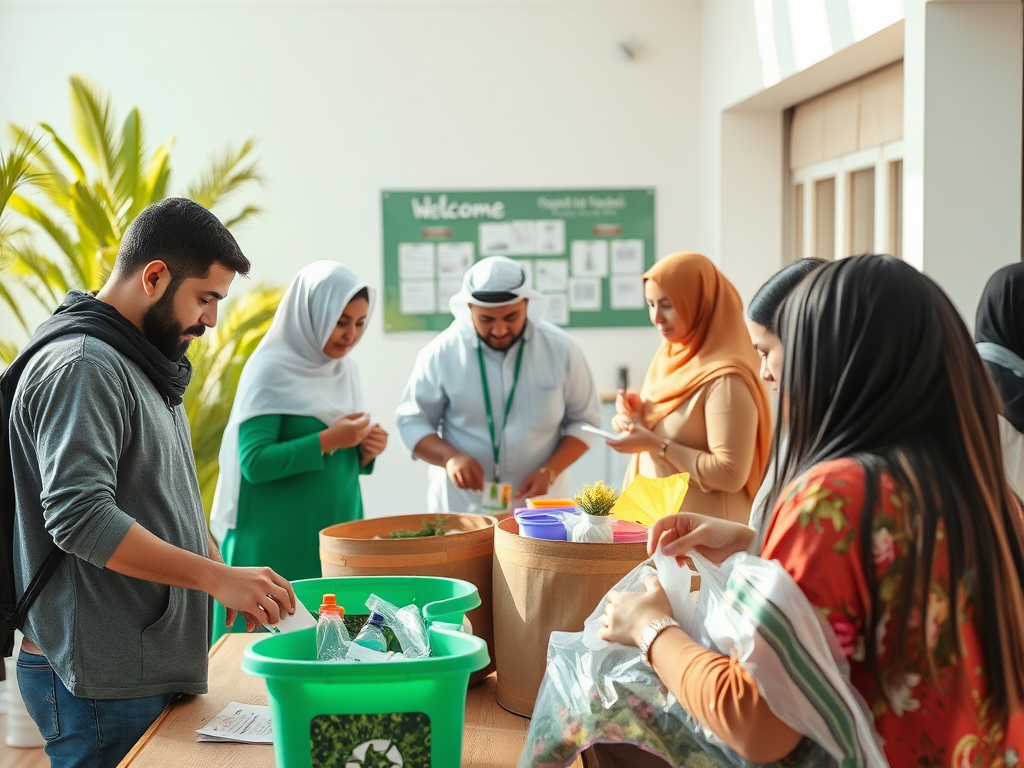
(350, 549)
(540, 587)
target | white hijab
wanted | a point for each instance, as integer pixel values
(496, 274)
(289, 373)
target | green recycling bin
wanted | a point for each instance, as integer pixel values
(398, 714)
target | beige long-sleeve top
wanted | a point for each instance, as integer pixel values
(716, 430)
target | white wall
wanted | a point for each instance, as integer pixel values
(963, 143)
(962, 116)
(350, 97)
(759, 57)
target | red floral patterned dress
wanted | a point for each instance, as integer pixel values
(815, 536)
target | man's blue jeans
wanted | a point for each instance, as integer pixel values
(80, 732)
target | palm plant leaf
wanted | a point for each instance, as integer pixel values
(8, 352)
(15, 307)
(247, 212)
(65, 152)
(85, 214)
(90, 213)
(218, 360)
(46, 280)
(154, 185)
(131, 159)
(228, 172)
(56, 232)
(48, 177)
(93, 125)
(16, 167)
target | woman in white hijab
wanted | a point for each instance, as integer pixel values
(297, 439)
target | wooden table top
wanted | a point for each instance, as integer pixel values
(493, 737)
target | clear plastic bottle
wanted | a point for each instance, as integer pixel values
(332, 638)
(372, 635)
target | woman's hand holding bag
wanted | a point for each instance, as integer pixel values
(713, 538)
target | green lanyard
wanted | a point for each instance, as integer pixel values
(495, 438)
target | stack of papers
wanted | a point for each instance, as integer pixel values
(239, 724)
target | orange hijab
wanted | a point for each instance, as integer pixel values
(717, 344)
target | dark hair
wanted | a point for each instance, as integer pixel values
(1000, 320)
(1000, 317)
(879, 367)
(184, 235)
(363, 293)
(764, 307)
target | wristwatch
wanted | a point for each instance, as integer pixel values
(650, 634)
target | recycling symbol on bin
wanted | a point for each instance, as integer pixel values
(383, 748)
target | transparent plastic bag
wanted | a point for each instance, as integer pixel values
(407, 624)
(569, 521)
(594, 529)
(597, 692)
(676, 580)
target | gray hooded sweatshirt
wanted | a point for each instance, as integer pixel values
(95, 448)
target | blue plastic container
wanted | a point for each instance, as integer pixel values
(542, 523)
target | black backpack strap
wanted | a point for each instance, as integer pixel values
(12, 620)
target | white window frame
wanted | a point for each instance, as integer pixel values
(840, 169)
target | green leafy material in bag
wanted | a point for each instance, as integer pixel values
(435, 528)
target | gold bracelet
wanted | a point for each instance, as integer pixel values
(664, 447)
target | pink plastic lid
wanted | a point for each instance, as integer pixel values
(626, 532)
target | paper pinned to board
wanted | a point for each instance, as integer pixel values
(239, 724)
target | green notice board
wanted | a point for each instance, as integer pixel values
(585, 250)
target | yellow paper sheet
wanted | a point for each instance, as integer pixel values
(648, 499)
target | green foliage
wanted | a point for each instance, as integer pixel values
(217, 361)
(334, 739)
(597, 499)
(354, 622)
(429, 528)
(83, 198)
(15, 170)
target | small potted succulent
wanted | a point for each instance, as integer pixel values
(595, 504)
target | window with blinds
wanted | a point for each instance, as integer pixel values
(846, 169)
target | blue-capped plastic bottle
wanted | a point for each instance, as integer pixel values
(332, 638)
(372, 634)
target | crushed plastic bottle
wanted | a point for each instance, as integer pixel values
(372, 635)
(407, 625)
(332, 638)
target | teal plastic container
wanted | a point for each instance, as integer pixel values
(410, 713)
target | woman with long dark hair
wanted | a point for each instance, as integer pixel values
(894, 519)
(762, 325)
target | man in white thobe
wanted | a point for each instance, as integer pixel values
(497, 401)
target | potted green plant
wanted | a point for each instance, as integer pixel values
(82, 194)
(595, 504)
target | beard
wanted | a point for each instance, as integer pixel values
(505, 343)
(162, 329)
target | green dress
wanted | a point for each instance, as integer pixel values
(289, 491)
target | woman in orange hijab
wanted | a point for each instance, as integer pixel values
(702, 408)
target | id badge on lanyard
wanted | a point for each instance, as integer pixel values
(497, 496)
